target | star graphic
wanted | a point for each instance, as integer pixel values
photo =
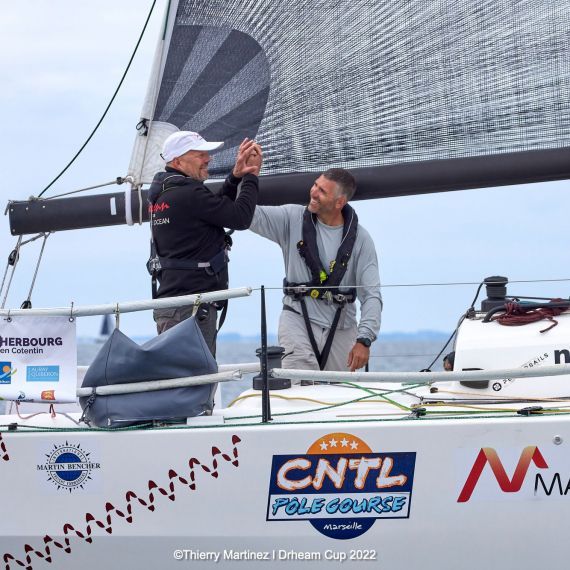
(354, 445)
(333, 442)
(344, 442)
(324, 446)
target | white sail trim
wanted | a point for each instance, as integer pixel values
(145, 158)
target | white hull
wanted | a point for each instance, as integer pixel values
(342, 470)
(225, 510)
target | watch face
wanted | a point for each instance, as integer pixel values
(365, 341)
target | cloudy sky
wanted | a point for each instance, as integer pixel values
(60, 63)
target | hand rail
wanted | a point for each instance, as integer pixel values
(423, 377)
(130, 306)
(226, 373)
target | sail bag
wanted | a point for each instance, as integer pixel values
(180, 351)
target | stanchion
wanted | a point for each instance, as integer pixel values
(266, 410)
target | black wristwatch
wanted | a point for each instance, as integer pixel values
(365, 341)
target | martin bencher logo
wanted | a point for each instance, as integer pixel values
(341, 486)
(68, 467)
(535, 475)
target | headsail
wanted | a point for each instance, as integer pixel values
(413, 96)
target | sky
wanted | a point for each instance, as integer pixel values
(60, 63)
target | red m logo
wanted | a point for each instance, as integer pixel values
(153, 208)
(487, 454)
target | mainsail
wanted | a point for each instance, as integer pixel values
(413, 96)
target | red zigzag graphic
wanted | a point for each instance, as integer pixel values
(127, 511)
(4, 455)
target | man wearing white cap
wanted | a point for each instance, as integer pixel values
(188, 221)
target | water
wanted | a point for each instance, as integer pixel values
(389, 354)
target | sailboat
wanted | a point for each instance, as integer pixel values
(451, 469)
(106, 328)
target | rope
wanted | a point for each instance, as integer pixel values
(517, 315)
(463, 415)
(108, 106)
(496, 399)
(371, 393)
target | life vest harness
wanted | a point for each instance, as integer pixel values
(156, 263)
(323, 286)
(215, 265)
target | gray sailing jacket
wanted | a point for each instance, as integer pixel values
(283, 225)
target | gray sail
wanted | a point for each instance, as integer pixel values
(413, 96)
(361, 83)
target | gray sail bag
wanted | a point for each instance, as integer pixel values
(180, 351)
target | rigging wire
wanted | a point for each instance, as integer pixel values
(108, 106)
(444, 284)
(13, 259)
(27, 304)
(446, 344)
(118, 180)
(468, 312)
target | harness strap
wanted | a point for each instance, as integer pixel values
(309, 251)
(170, 263)
(328, 344)
(323, 356)
(329, 296)
(223, 314)
(310, 332)
(154, 284)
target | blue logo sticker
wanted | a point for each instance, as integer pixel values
(42, 373)
(68, 467)
(341, 486)
(6, 372)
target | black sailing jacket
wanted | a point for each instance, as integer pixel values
(188, 222)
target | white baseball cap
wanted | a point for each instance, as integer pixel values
(181, 142)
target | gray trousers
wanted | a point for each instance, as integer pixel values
(293, 337)
(206, 317)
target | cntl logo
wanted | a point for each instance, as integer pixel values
(341, 486)
(530, 454)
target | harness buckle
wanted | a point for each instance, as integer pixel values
(328, 298)
(296, 291)
(340, 298)
(153, 265)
